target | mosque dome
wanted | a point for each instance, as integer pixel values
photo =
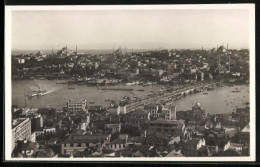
(197, 104)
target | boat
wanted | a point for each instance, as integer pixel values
(64, 83)
(70, 87)
(236, 90)
(205, 93)
(140, 89)
(38, 93)
(130, 83)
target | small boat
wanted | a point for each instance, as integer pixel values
(205, 93)
(140, 89)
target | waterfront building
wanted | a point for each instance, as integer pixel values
(198, 112)
(77, 105)
(21, 129)
(169, 112)
(152, 109)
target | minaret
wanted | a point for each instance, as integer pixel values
(76, 50)
(229, 62)
(113, 49)
(227, 46)
(25, 98)
(132, 50)
(52, 51)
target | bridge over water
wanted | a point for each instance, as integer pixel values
(166, 95)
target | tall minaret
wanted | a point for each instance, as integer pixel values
(229, 62)
(227, 46)
(52, 51)
(76, 50)
(113, 49)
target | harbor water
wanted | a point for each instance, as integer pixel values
(219, 100)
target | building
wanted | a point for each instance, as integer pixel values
(136, 117)
(115, 114)
(76, 105)
(119, 143)
(113, 128)
(244, 116)
(174, 127)
(198, 112)
(245, 134)
(152, 109)
(191, 147)
(238, 147)
(37, 123)
(169, 112)
(75, 143)
(21, 129)
(48, 112)
(24, 148)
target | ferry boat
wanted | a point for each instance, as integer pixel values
(130, 83)
(38, 93)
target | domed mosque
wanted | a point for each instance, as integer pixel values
(197, 108)
(198, 112)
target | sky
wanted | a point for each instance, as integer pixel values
(140, 29)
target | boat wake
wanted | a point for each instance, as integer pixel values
(51, 91)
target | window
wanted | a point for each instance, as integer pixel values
(71, 144)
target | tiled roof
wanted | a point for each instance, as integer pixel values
(173, 122)
(137, 112)
(118, 141)
(86, 138)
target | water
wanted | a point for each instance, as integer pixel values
(57, 94)
(219, 100)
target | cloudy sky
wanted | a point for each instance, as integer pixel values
(143, 29)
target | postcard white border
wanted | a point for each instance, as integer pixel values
(8, 91)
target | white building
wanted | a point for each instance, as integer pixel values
(76, 105)
(21, 129)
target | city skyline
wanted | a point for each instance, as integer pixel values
(146, 29)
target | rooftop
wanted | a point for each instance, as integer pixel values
(173, 122)
(77, 101)
(95, 138)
